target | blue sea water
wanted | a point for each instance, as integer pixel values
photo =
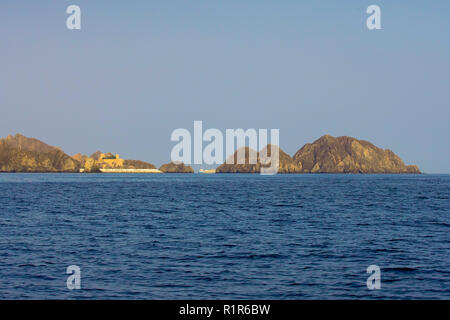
(144, 236)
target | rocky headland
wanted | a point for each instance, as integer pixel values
(21, 154)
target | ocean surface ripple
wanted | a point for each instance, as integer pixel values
(138, 236)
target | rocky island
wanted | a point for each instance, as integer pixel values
(348, 155)
(328, 155)
(176, 167)
(242, 164)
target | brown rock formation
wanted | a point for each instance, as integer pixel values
(21, 154)
(286, 163)
(242, 163)
(96, 155)
(138, 164)
(91, 166)
(348, 155)
(176, 167)
(81, 158)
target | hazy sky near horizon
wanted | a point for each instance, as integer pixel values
(137, 70)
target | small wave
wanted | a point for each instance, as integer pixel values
(402, 269)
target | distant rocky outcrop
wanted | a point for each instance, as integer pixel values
(325, 155)
(348, 155)
(244, 160)
(240, 162)
(21, 154)
(176, 167)
(138, 164)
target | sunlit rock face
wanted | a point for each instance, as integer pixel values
(348, 155)
(21, 154)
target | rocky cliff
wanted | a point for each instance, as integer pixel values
(176, 167)
(348, 155)
(21, 154)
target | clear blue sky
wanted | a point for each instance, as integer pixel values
(139, 69)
